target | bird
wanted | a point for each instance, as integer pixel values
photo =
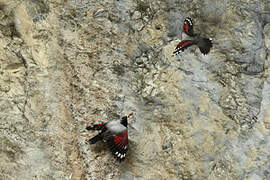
(115, 134)
(190, 38)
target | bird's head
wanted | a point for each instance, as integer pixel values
(125, 118)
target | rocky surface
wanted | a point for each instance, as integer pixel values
(66, 64)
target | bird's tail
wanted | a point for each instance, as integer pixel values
(95, 139)
(205, 45)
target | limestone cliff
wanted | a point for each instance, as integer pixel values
(66, 64)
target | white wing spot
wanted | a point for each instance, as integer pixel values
(125, 147)
(122, 156)
(119, 155)
(116, 153)
(178, 51)
(189, 21)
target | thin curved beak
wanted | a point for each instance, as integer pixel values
(130, 115)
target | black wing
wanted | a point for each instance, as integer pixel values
(182, 46)
(188, 27)
(118, 144)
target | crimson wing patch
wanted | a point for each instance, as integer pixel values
(118, 144)
(96, 127)
(188, 27)
(182, 46)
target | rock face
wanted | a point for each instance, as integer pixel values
(68, 64)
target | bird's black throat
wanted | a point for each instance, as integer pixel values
(124, 121)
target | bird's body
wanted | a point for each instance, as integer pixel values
(115, 134)
(190, 38)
